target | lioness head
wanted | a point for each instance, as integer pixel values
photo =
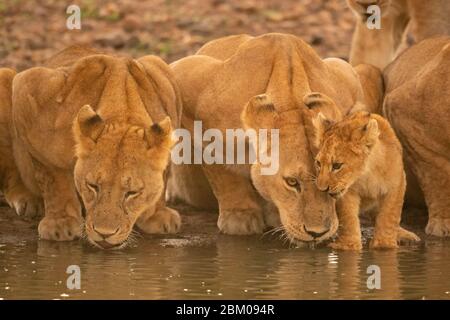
(119, 173)
(344, 151)
(306, 213)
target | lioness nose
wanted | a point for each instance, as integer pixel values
(315, 234)
(105, 233)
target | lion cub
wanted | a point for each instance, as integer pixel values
(360, 164)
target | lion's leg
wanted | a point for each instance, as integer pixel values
(385, 41)
(435, 182)
(187, 183)
(387, 222)
(160, 219)
(429, 19)
(432, 169)
(17, 195)
(417, 120)
(406, 237)
(63, 220)
(431, 166)
(349, 237)
(11, 185)
(240, 212)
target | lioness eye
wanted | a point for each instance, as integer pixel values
(336, 166)
(292, 182)
(95, 188)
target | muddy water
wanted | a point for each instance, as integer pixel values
(207, 265)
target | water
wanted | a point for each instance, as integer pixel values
(210, 266)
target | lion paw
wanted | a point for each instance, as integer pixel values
(380, 243)
(346, 245)
(165, 220)
(406, 237)
(439, 227)
(243, 222)
(60, 228)
(26, 205)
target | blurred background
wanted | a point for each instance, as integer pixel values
(33, 30)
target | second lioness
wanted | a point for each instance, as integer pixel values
(360, 164)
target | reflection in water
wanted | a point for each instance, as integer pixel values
(229, 268)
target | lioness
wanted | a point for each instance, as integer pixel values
(260, 83)
(93, 131)
(380, 46)
(417, 104)
(360, 164)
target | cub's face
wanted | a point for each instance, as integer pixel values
(339, 164)
(119, 175)
(344, 151)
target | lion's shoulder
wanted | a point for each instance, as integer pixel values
(69, 56)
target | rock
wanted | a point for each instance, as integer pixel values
(316, 40)
(115, 40)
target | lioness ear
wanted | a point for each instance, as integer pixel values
(321, 124)
(160, 134)
(319, 102)
(88, 124)
(371, 132)
(259, 113)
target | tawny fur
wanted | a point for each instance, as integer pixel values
(417, 105)
(220, 85)
(422, 19)
(98, 126)
(16, 193)
(360, 163)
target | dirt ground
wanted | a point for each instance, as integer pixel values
(33, 30)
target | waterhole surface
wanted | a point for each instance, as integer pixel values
(200, 263)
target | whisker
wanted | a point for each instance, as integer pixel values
(273, 231)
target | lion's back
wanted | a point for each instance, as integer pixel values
(69, 56)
